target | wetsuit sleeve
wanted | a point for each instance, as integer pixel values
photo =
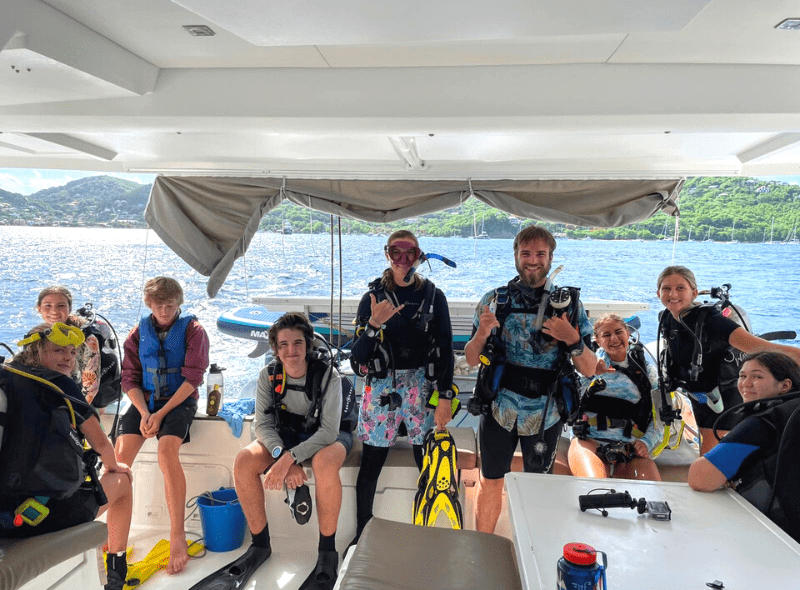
(330, 418)
(444, 340)
(741, 447)
(79, 405)
(195, 362)
(266, 432)
(363, 345)
(131, 363)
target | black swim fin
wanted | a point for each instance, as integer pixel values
(324, 574)
(299, 501)
(235, 575)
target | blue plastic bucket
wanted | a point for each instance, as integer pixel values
(222, 520)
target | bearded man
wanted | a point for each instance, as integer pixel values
(529, 335)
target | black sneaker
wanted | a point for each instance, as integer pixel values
(299, 501)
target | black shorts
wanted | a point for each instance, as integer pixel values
(80, 507)
(706, 417)
(176, 423)
(497, 446)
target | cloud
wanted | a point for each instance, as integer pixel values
(53, 178)
(10, 183)
(145, 179)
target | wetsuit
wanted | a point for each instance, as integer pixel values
(748, 457)
(680, 354)
(515, 417)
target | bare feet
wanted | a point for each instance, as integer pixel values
(178, 555)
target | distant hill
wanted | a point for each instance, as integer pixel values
(91, 201)
(711, 208)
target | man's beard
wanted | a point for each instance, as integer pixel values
(533, 278)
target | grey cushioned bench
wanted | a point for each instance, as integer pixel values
(397, 556)
(25, 559)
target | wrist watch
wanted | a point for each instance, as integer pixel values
(277, 452)
(371, 331)
(447, 394)
(576, 349)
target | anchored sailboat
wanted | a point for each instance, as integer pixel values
(483, 235)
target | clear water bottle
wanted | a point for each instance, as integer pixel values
(579, 570)
(215, 387)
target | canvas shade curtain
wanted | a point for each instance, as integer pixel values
(210, 221)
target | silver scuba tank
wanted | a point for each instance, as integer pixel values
(3, 410)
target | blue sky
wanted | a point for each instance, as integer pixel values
(27, 181)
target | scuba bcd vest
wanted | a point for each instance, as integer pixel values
(42, 449)
(496, 372)
(618, 413)
(692, 378)
(771, 484)
(385, 357)
(319, 363)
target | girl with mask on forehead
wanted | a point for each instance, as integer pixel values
(54, 304)
(401, 320)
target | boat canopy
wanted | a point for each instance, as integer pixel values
(210, 221)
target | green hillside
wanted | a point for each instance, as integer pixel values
(711, 208)
(91, 201)
(708, 206)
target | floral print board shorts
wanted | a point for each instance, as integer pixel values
(379, 427)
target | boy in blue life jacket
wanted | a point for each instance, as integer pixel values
(166, 357)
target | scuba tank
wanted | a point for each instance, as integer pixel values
(215, 388)
(109, 369)
(3, 413)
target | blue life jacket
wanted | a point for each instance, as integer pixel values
(162, 356)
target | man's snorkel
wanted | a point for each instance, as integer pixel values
(548, 286)
(426, 257)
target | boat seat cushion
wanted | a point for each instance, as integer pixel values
(25, 559)
(397, 556)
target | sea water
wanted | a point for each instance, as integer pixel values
(108, 267)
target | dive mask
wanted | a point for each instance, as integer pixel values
(403, 253)
(59, 333)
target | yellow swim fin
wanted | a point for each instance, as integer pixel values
(437, 485)
(156, 560)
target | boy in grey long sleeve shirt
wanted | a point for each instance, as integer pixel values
(298, 403)
(298, 417)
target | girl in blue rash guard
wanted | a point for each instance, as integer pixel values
(748, 456)
(392, 313)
